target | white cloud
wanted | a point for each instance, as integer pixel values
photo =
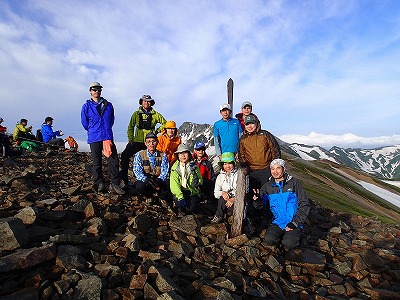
(347, 140)
(316, 66)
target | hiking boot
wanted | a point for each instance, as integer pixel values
(116, 188)
(100, 187)
(216, 219)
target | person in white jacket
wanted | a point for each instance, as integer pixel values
(225, 186)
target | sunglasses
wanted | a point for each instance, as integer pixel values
(201, 149)
(96, 90)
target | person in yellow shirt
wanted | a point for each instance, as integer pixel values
(169, 141)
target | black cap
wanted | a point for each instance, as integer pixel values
(150, 135)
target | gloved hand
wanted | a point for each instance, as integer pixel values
(182, 204)
(60, 133)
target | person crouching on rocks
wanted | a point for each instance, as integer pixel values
(225, 186)
(289, 205)
(185, 180)
(151, 168)
(51, 137)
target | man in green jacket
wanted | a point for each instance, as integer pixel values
(143, 121)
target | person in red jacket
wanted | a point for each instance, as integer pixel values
(206, 170)
(247, 109)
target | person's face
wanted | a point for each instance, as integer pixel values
(277, 172)
(95, 92)
(200, 152)
(246, 110)
(228, 166)
(170, 132)
(24, 123)
(151, 144)
(225, 113)
(183, 157)
(250, 127)
(50, 122)
(146, 104)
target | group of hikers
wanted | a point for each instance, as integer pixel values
(164, 166)
(23, 140)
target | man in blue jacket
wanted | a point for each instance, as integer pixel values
(227, 132)
(49, 136)
(97, 117)
(289, 206)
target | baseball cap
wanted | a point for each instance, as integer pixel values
(150, 135)
(225, 106)
(250, 119)
(246, 103)
(95, 84)
(199, 145)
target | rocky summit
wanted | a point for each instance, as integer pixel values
(61, 240)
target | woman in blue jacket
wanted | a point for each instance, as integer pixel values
(289, 206)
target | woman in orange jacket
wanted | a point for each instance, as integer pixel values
(169, 141)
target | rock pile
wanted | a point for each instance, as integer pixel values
(61, 240)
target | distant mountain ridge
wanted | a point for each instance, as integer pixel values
(383, 162)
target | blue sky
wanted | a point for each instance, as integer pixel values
(317, 72)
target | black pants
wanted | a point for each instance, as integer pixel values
(113, 162)
(258, 178)
(290, 239)
(191, 201)
(147, 190)
(222, 209)
(126, 155)
(56, 142)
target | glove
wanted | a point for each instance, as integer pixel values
(60, 133)
(291, 226)
(107, 148)
(182, 204)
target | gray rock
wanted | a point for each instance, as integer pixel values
(27, 215)
(13, 234)
(187, 224)
(26, 258)
(88, 288)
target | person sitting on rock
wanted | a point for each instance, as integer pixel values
(185, 180)
(168, 141)
(285, 197)
(50, 136)
(206, 170)
(22, 132)
(150, 167)
(225, 186)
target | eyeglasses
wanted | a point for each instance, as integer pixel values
(151, 142)
(96, 90)
(201, 149)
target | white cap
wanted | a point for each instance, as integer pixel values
(225, 106)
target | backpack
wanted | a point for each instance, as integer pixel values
(30, 146)
(39, 135)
